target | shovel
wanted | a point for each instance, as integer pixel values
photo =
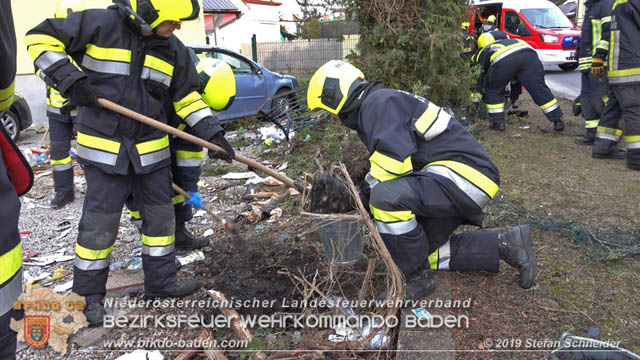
(228, 224)
(196, 140)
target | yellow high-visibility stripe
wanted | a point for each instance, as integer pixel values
(36, 50)
(191, 108)
(158, 64)
(433, 259)
(625, 72)
(89, 254)
(391, 216)
(135, 214)
(618, 2)
(476, 177)
(113, 54)
(549, 104)
(61, 162)
(178, 199)
(632, 138)
(186, 101)
(98, 143)
(153, 145)
(37, 44)
(606, 130)
(495, 106)
(8, 91)
(158, 240)
(181, 154)
(6, 103)
(11, 262)
(427, 118)
(505, 49)
(182, 126)
(391, 165)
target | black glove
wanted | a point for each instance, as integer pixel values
(577, 107)
(68, 108)
(228, 154)
(83, 94)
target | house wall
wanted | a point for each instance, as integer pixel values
(27, 14)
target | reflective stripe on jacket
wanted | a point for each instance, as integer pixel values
(595, 36)
(624, 56)
(493, 53)
(141, 73)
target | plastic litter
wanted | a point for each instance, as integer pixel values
(208, 232)
(63, 287)
(142, 355)
(190, 258)
(135, 263)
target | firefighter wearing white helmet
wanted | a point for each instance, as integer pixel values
(60, 114)
(127, 54)
(428, 175)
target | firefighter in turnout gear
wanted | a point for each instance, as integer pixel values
(218, 89)
(592, 53)
(16, 179)
(490, 25)
(60, 114)
(624, 86)
(467, 41)
(127, 53)
(500, 62)
(428, 176)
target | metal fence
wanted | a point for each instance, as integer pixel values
(301, 57)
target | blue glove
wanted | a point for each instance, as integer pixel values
(195, 201)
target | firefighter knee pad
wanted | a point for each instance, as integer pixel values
(388, 195)
(60, 149)
(158, 220)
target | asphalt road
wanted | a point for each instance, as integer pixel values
(563, 83)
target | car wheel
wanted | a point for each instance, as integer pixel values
(280, 102)
(569, 66)
(11, 123)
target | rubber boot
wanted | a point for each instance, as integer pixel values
(558, 125)
(94, 312)
(420, 284)
(180, 289)
(188, 241)
(62, 198)
(515, 249)
(606, 149)
(587, 139)
(497, 125)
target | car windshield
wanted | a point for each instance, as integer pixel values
(547, 18)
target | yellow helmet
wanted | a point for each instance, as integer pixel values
(217, 83)
(66, 7)
(491, 19)
(485, 39)
(332, 84)
(465, 26)
(148, 14)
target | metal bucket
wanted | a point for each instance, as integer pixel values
(342, 241)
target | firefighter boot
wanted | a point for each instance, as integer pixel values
(606, 149)
(497, 125)
(420, 284)
(94, 312)
(558, 125)
(180, 289)
(515, 249)
(62, 198)
(587, 139)
(188, 241)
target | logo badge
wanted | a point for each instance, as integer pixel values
(36, 330)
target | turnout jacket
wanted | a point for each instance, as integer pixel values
(142, 73)
(406, 134)
(624, 56)
(491, 55)
(594, 40)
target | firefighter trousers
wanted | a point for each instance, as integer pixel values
(623, 103)
(527, 69)
(592, 99)
(60, 134)
(416, 216)
(105, 196)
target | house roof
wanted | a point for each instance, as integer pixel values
(262, 2)
(218, 6)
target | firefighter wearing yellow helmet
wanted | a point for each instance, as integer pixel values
(218, 83)
(128, 54)
(428, 175)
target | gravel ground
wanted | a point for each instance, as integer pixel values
(47, 231)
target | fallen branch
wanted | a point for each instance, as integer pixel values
(366, 284)
(337, 217)
(238, 326)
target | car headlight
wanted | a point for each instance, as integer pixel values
(549, 38)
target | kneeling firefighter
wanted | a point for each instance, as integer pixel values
(428, 176)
